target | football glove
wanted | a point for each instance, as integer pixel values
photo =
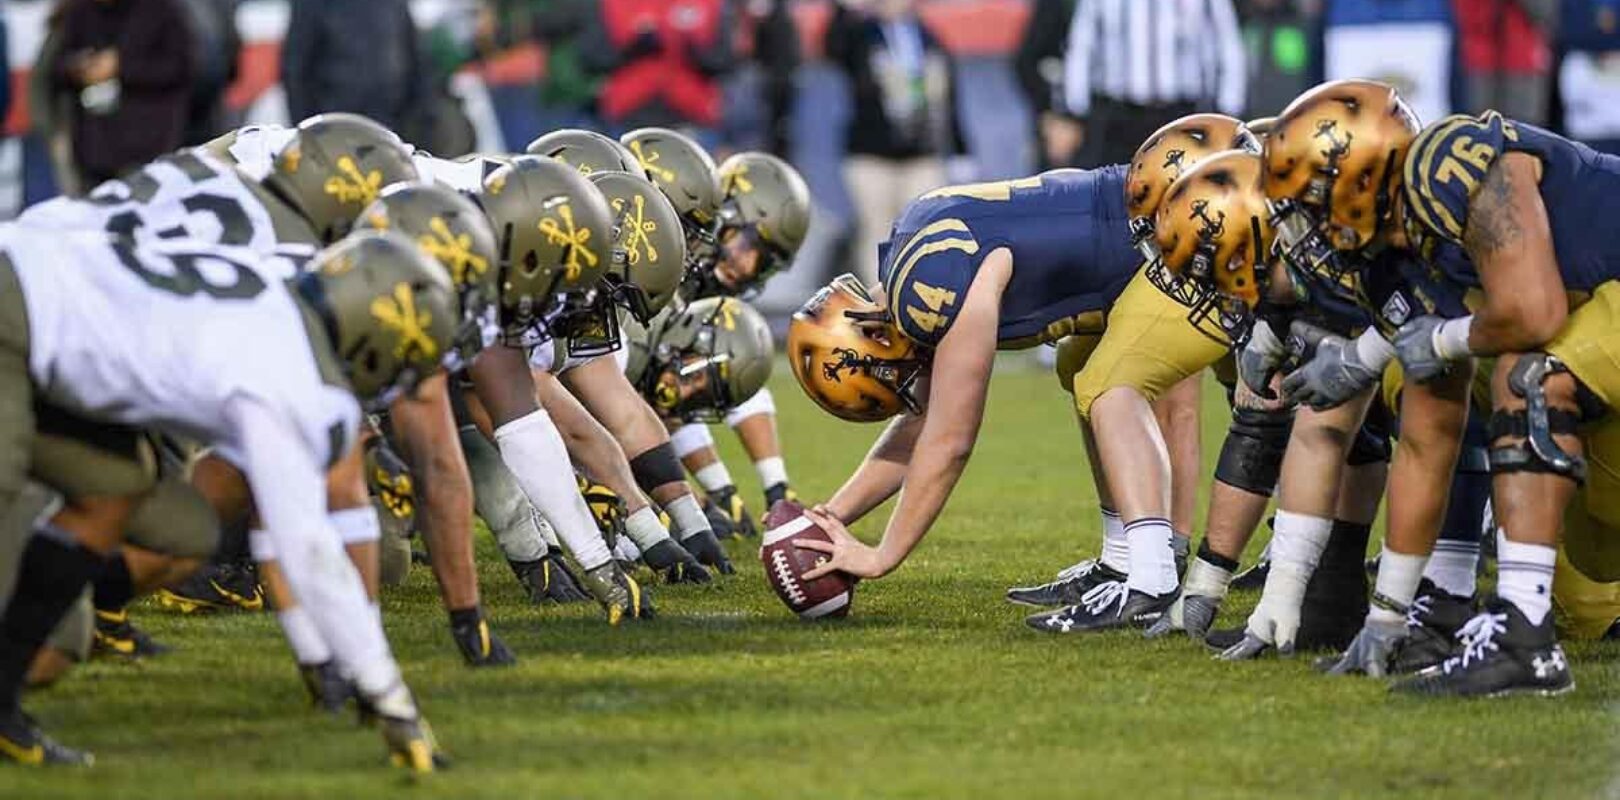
(1370, 652)
(1417, 347)
(621, 597)
(676, 565)
(607, 508)
(707, 550)
(1260, 359)
(1334, 375)
(389, 479)
(549, 579)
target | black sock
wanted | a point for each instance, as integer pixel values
(462, 617)
(1346, 546)
(114, 588)
(1211, 557)
(52, 572)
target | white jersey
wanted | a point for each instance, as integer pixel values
(170, 335)
(190, 195)
(255, 147)
(465, 174)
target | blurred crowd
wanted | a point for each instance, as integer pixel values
(870, 98)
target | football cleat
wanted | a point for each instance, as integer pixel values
(1613, 633)
(548, 579)
(1110, 605)
(215, 587)
(1253, 578)
(480, 646)
(1193, 614)
(116, 637)
(778, 492)
(328, 690)
(22, 742)
(1500, 653)
(1333, 609)
(706, 549)
(719, 520)
(1432, 623)
(411, 744)
(731, 506)
(621, 597)
(1370, 652)
(674, 563)
(1070, 586)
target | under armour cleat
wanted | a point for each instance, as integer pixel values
(1432, 623)
(116, 637)
(673, 562)
(22, 742)
(1500, 653)
(1071, 584)
(1110, 605)
(328, 690)
(621, 597)
(548, 579)
(215, 587)
(480, 646)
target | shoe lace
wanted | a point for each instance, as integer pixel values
(1417, 611)
(1478, 637)
(1077, 570)
(1104, 595)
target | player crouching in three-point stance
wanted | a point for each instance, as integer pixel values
(968, 270)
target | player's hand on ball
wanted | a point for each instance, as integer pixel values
(847, 553)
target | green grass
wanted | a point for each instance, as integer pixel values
(932, 689)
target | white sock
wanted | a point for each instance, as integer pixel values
(1524, 577)
(1398, 577)
(1116, 548)
(690, 438)
(771, 471)
(1206, 579)
(1452, 566)
(687, 516)
(644, 528)
(1299, 539)
(534, 451)
(626, 550)
(714, 477)
(307, 645)
(1152, 561)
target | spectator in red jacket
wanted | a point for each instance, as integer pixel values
(662, 60)
(128, 63)
(1506, 57)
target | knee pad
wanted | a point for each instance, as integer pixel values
(761, 403)
(1251, 457)
(1533, 448)
(175, 520)
(690, 438)
(656, 467)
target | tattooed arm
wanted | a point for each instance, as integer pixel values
(1510, 241)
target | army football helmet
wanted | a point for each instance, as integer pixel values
(1333, 165)
(764, 207)
(389, 309)
(554, 238)
(587, 151)
(698, 362)
(1214, 232)
(849, 357)
(450, 228)
(336, 165)
(649, 248)
(687, 175)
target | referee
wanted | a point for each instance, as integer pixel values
(1134, 65)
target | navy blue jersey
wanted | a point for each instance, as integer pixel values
(1579, 187)
(1071, 253)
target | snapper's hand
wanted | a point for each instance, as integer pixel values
(847, 553)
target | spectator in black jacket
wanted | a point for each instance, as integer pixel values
(1039, 64)
(129, 64)
(903, 122)
(358, 56)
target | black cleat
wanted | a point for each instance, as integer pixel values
(215, 587)
(22, 742)
(328, 690)
(1252, 579)
(1501, 653)
(675, 564)
(731, 507)
(1613, 633)
(719, 522)
(1432, 622)
(1070, 586)
(706, 549)
(548, 579)
(1222, 640)
(480, 646)
(1111, 605)
(777, 492)
(1333, 610)
(116, 637)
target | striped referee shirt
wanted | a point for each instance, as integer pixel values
(1155, 52)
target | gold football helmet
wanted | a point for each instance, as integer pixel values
(1171, 151)
(1214, 231)
(1332, 165)
(850, 358)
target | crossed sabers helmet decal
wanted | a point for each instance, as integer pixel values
(400, 316)
(350, 185)
(454, 251)
(576, 240)
(635, 230)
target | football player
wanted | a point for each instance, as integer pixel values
(195, 342)
(698, 363)
(968, 269)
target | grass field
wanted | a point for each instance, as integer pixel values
(933, 689)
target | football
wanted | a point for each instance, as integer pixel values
(785, 564)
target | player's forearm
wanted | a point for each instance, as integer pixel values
(881, 474)
(929, 482)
